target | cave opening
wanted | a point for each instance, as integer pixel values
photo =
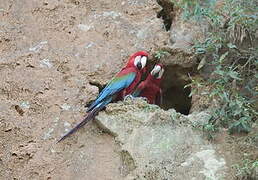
(175, 95)
(166, 13)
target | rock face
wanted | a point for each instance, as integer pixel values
(181, 62)
(160, 144)
(50, 53)
(53, 53)
(183, 33)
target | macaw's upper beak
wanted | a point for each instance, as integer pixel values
(139, 65)
(156, 75)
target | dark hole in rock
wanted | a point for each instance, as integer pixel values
(19, 110)
(174, 94)
(166, 12)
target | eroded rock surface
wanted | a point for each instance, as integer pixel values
(50, 51)
(53, 56)
(161, 144)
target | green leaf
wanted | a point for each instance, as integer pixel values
(255, 164)
(240, 126)
(234, 75)
(202, 63)
(200, 50)
(220, 72)
(222, 57)
(231, 46)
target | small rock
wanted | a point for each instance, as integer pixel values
(38, 46)
(66, 124)
(48, 134)
(111, 14)
(65, 107)
(52, 150)
(25, 104)
(56, 119)
(84, 27)
(89, 45)
(45, 63)
(199, 118)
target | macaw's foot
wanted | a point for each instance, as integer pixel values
(145, 99)
(129, 97)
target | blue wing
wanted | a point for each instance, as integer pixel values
(115, 85)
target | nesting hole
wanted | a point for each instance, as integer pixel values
(174, 94)
(166, 13)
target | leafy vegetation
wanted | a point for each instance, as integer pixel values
(161, 53)
(231, 52)
(246, 168)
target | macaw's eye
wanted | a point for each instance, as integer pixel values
(157, 72)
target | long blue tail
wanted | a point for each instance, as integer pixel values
(86, 119)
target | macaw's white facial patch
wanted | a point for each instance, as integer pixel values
(157, 71)
(161, 73)
(140, 62)
(143, 61)
(137, 60)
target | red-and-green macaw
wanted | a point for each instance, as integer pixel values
(150, 88)
(120, 86)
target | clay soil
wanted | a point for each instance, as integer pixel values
(45, 67)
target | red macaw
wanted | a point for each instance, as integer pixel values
(121, 85)
(150, 88)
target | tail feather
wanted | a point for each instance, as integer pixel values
(86, 119)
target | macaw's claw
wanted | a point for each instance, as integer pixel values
(129, 97)
(144, 98)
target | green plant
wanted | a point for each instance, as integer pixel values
(209, 129)
(234, 76)
(161, 53)
(245, 168)
(255, 164)
(194, 9)
(195, 85)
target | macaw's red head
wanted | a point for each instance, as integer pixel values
(138, 60)
(157, 73)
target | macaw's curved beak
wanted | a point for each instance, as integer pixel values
(139, 65)
(156, 75)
